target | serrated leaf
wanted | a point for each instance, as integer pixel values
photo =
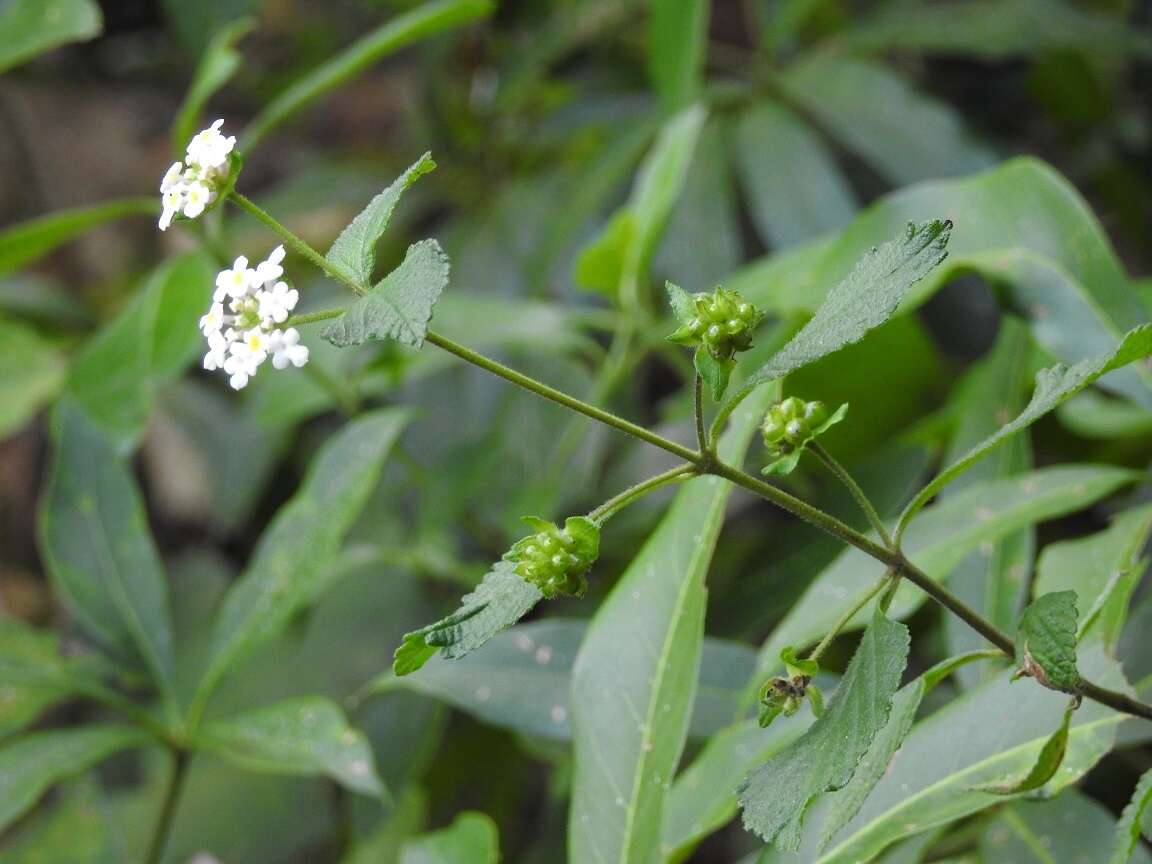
(1047, 762)
(354, 252)
(776, 795)
(1134, 821)
(865, 299)
(400, 306)
(501, 599)
(681, 302)
(1053, 386)
(29, 766)
(472, 838)
(306, 736)
(287, 568)
(218, 64)
(31, 27)
(715, 373)
(32, 371)
(99, 553)
(1046, 641)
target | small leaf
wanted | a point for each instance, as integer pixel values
(400, 306)
(715, 373)
(867, 297)
(31, 27)
(794, 665)
(217, 66)
(354, 251)
(501, 599)
(472, 838)
(600, 265)
(776, 795)
(1133, 822)
(29, 766)
(306, 736)
(1047, 763)
(683, 306)
(1046, 641)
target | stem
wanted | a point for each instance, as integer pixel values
(847, 617)
(618, 502)
(698, 409)
(313, 317)
(343, 394)
(853, 487)
(168, 807)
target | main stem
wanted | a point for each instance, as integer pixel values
(841, 474)
(168, 807)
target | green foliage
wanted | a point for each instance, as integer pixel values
(32, 372)
(554, 559)
(31, 27)
(1072, 825)
(1046, 641)
(1047, 763)
(677, 43)
(216, 68)
(1133, 822)
(718, 325)
(472, 838)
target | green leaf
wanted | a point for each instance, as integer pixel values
(776, 795)
(715, 373)
(400, 306)
(502, 599)
(1071, 827)
(32, 371)
(29, 241)
(1095, 415)
(29, 766)
(31, 27)
(1047, 763)
(76, 830)
(32, 674)
(793, 184)
(1133, 822)
(643, 650)
(1053, 386)
(306, 736)
(99, 553)
(1046, 641)
(866, 298)
(420, 23)
(354, 251)
(677, 44)
(287, 569)
(681, 302)
(521, 680)
(117, 373)
(218, 64)
(600, 265)
(472, 838)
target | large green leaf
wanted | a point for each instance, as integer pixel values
(32, 371)
(419, 23)
(31, 765)
(794, 187)
(98, 550)
(864, 300)
(304, 736)
(31, 27)
(641, 653)
(218, 64)
(29, 241)
(938, 541)
(677, 45)
(400, 306)
(776, 795)
(117, 373)
(290, 562)
(472, 838)
(521, 680)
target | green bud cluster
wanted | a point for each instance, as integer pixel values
(790, 424)
(554, 559)
(722, 322)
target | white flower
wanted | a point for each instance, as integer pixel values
(190, 186)
(173, 177)
(233, 282)
(172, 202)
(197, 196)
(209, 149)
(213, 320)
(217, 351)
(276, 302)
(286, 348)
(269, 270)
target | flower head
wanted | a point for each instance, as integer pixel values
(555, 559)
(189, 187)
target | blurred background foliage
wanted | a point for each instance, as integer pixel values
(540, 114)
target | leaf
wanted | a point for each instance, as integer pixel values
(400, 306)
(1133, 822)
(472, 838)
(218, 64)
(793, 184)
(32, 676)
(1053, 386)
(29, 241)
(600, 265)
(521, 680)
(866, 298)
(32, 371)
(1047, 763)
(775, 796)
(906, 135)
(305, 736)
(354, 251)
(29, 766)
(99, 553)
(117, 373)
(641, 653)
(502, 599)
(31, 27)
(1046, 641)
(420, 23)
(287, 569)
(677, 44)
(75, 830)
(715, 373)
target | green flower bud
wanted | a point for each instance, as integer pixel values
(556, 560)
(721, 322)
(790, 425)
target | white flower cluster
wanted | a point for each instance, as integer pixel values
(241, 327)
(191, 185)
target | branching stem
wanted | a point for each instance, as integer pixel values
(841, 474)
(618, 502)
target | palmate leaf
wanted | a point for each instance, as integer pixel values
(1046, 641)
(400, 306)
(1133, 822)
(776, 795)
(867, 297)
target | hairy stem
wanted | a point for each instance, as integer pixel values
(698, 410)
(849, 614)
(841, 474)
(618, 502)
(168, 807)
